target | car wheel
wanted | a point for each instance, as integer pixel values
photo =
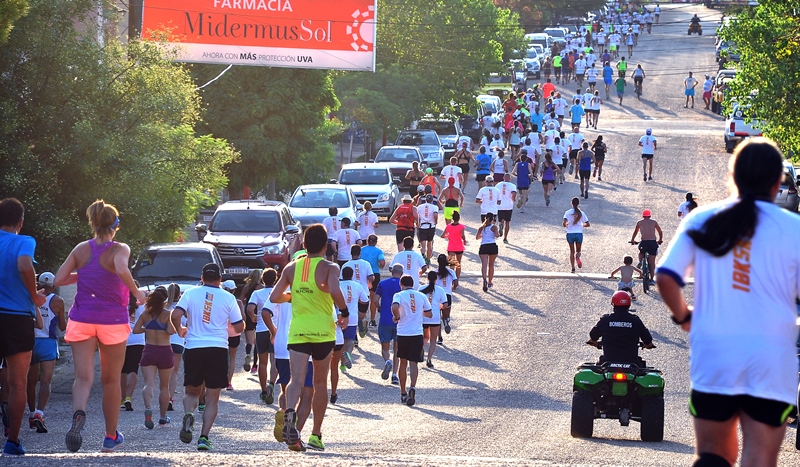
(582, 420)
(538, 75)
(652, 419)
(729, 146)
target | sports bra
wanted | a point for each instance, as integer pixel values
(154, 325)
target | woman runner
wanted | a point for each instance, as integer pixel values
(600, 149)
(575, 221)
(456, 241)
(414, 176)
(431, 327)
(487, 234)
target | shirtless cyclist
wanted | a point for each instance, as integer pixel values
(648, 228)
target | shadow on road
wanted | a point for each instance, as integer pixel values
(664, 446)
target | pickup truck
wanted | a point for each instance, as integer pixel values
(736, 129)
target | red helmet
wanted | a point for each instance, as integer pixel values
(621, 298)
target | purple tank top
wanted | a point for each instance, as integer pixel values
(102, 298)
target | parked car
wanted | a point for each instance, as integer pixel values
(541, 52)
(447, 130)
(165, 263)
(399, 160)
(736, 129)
(787, 197)
(559, 36)
(373, 183)
(533, 64)
(492, 103)
(729, 48)
(541, 39)
(252, 234)
(428, 143)
(310, 203)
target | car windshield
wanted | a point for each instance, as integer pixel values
(416, 139)
(532, 53)
(491, 106)
(441, 128)
(364, 177)
(319, 198)
(246, 221)
(168, 265)
(554, 32)
(396, 155)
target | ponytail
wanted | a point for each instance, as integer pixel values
(577, 215)
(432, 276)
(443, 263)
(756, 166)
(102, 217)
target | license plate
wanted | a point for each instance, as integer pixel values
(237, 270)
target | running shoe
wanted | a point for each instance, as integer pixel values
(277, 431)
(299, 446)
(269, 395)
(203, 444)
(38, 422)
(247, 360)
(170, 408)
(291, 435)
(229, 388)
(440, 341)
(343, 368)
(201, 408)
(128, 404)
(447, 327)
(600, 179)
(505, 240)
(412, 396)
(315, 443)
(362, 328)
(519, 203)
(578, 261)
(404, 398)
(547, 200)
(148, 419)
(395, 379)
(74, 438)
(163, 422)
(347, 360)
(122, 404)
(586, 194)
(334, 398)
(30, 422)
(254, 370)
(485, 285)
(429, 364)
(387, 369)
(373, 324)
(13, 449)
(645, 176)
(652, 282)
(650, 178)
(500, 230)
(186, 428)
(111, 444)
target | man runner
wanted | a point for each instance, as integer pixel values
(387, 328)
(649, 145)
(409, 306)
(406, 219)
(508, 196)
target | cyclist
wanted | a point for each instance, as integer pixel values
(638, 78)
(648, 228)
(621, 332)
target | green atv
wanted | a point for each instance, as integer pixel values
(621, 391)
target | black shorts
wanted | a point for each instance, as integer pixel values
(410, 348)
(649, 246)
(573, 154)
(464, 168)
(249, 325)
(481, 177)
(177, 349)
(548, 182)
(427, 235)
(376, 279)
(206, 365)
(638, 79)
(488, 249)
(402, 234)
(647, 156)
(234, 341)
(585, 174)
(431, 325)
(483, 217)
(317, 350)
(263, 343)
(16, 334)
(328, 250)
(719, 408)
(133, 354)
(504, 214)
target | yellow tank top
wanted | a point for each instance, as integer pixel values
(311, 307)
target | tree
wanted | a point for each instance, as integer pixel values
(10, 12)
(81, 121)
(768, 39)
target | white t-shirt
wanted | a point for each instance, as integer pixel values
(437, 298)
(464, 139)
(648, 144)
(176, 338)
(550, 137)
(560, 106)
(426, 213)
(137, 339)
(575, 141)
(689, 82)
(534, 148)
(580, 66)
(572, 226)
(412, 263)
(260, 298)
(452, 171)
(366, 223)
(446, 282)
(586, 100)
(591, 75)
(743, 335)
(595, 103)
(499, 166)
(282, 318)
(506, 189)
(708, 85)
(361, 271)
(558, 153)
(345, 238)
(497, 145)
(412, 304)
(332, 225)
(488, 121)
(209, 309)
(339, 334)
(490, 199)
(683, 209)
(353, 293)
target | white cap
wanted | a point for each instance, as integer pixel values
(46, 278)
(229, 285)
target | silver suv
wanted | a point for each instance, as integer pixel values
(448, 132)
(428, 143)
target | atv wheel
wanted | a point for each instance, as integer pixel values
(653, 418)
(582, 422)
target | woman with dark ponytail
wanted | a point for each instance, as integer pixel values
(742, 331)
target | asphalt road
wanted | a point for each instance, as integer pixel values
(501, 390)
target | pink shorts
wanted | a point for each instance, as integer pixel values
(707, 95)
(106, 334)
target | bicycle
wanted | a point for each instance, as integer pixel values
(638, 88)
(645, 269)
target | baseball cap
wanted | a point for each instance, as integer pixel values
(708, 76)
(420, 188)
(46, 278)
(212, 272)
(489, 179)
(646, 213)
(429, 198)
(229, 285)
(649, 131)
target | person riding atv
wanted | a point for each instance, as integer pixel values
(694, 26)
(621, 332)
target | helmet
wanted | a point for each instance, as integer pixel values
(621, 298)
(429, 171)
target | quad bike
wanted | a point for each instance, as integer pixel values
(694, 27)
(621, 391)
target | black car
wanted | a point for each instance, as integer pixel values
(165, 263)
(470, 126)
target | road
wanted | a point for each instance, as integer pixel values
(501, 390)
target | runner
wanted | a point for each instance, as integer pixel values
(648, 228)
(256, 307)
(414, 176)
(98, 319)
(208, 310)
(45, 352)
(549, 171)
(343, 240)
(620, 85)
(595, 103)
(177, 342)
(657, 13)
(357, 300)
(156, 326)
(585, 161)
(580, 69)
(524, 171)
(499, 166)
(575, 221)
(557, 68)
(332, 225)
(375, 257)
(483, 166)
(464, 159)
(453, 171)
(409, 307)
(447, 278)
(252, 284)
(314, 289)
(428, 213)
(406, 219)
(649, 146)
(630, 40)
(576, 113)
(489, 198)
(608, 78)
(687, 206)
(508, 196)
(622, 67)
(431, 326)
(430, 181)
(575, 141)
(452, 198)
(367, 221)
(487, 234)
(600, 149)
(414, 264)
(134, 347)
(364, 275)
(387, 328)
(456, 241)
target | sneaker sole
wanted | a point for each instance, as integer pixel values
(186, 428)
(269, 397)
(387, 369)
(412, 397)
(105, 449)
(148, 419)
(297, 447)
(74, 439)
(315, 448)
(278, 430)
(39, 425)
(447, 329)
(290, 434)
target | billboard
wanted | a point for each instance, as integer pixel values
(328, 34)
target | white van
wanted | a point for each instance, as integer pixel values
(539, 38)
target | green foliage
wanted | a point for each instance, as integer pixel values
(768, 38)
(538, 14)
(84, 121)
(10, 12)
(276, 118)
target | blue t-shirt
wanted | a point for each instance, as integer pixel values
(386, 290)
(373, 255)
(537, 119)
(484, 164)
(577, 113)
(14, 297)
(608, 72)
